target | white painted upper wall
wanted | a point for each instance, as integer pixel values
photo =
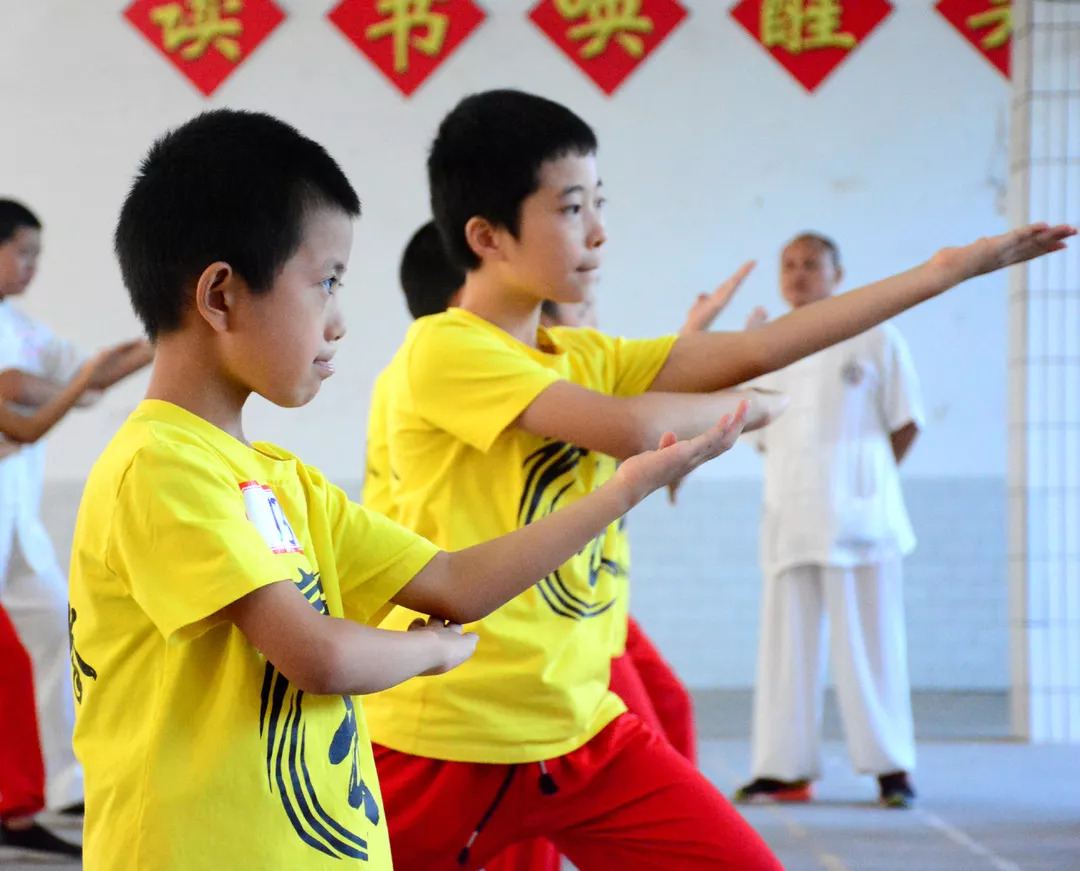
(710, 154)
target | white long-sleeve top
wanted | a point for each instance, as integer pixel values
(31, 346)
(832, 488)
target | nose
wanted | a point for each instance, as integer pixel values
(597, 236)
(335, 325)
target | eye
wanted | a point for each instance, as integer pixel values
(571, 210)
(601, 202)
(329, 284)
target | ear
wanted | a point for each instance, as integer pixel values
(484, 238)
(216, 294)
(839, 275)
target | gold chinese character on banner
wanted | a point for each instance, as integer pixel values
(999, 16)
(201, 25)
(803, 25)
(405, 16)
(605, 20)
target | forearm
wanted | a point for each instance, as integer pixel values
(361, 659)
(467, 585)
(689, 415)
(26, 389)
(714, 361)
(30, 428)
(134, 360)
(902, 440)
(622, 426)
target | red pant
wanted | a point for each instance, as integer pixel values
(22, 771)
(653, 692)
(625, 800)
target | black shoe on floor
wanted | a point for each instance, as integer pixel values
(896, 790)
(768, 790)
(37, 837)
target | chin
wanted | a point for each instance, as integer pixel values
(294, 399)
(573, 295)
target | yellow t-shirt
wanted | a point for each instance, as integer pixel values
(621, 561)
(377, 473)
(197, 752)
(537, 686)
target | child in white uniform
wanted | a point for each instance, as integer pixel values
(33, 587)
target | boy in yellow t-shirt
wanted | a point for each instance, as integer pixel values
(431, 284)
(224, 595)
(496, 423)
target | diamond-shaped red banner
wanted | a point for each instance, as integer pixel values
(407, 39)
(607, 39)
(205, 39)
(810, 38)
(986, 24)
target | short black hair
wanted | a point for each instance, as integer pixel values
(486, 160)
(228, 185)
(14, 217)
(428, 276)
(823, 242)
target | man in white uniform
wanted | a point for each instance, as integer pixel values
(833, 536)
(33, 587)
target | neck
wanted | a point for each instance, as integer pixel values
(183, 374)
(511, 309)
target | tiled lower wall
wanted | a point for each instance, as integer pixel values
(696, 581)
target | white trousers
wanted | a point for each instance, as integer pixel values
(865, 607)
(37, 605)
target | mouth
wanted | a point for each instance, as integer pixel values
(324, 366)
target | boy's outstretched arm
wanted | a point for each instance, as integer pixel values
(330, 655)
(335, 656)
(465, 586)
(623, 426)
(703, 362)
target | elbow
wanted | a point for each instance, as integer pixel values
(630, 446)
(322, 672)
(22, 436)
(316, 680)
(463, 612)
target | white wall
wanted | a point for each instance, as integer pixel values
(710, 152)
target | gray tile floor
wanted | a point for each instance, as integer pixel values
(986, 803)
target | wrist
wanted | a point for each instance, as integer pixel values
(943, 271)
(620, 494)
(82, 382)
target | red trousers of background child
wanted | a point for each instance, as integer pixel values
(22, 771)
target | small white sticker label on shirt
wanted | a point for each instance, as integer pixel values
(265, 513)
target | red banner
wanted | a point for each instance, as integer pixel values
(986, 24)
(810, 38)
(407, 39)
(205, 39)
(607, 39)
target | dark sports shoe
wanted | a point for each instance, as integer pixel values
(896, 790)
(766, 790)
(36, 837)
